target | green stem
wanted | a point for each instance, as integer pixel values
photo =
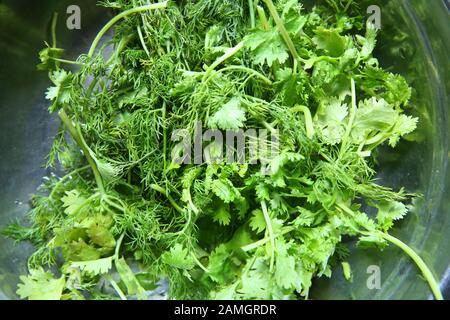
(260, 243)
(419, 262)
(349, 3)
(282, 28)
(120, 16)
(263, 18)
(118, 245)
(199, 263)
(85, 203)
(54, 23)
(245, 69)
(308, 120)
(251, 7)
(351, 118)
(270, 231)
(230, 52)
(141, 38)
(434, 286)
(164, 111)
(113, 204)
(63, 179)
(116, 287)
(86, 151)
(171, 200)
(67, 61)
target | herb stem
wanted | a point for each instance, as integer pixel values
(118, 245)
(262, 242)
(230, 52)
(165, 193)
(86, 151)
(282, 28)
(426, 272)
(54, 23)
(63, 179)
(112, 204)
(263, 18)
(245, 69)
(251, 7)
(199, 263)
(120, 16)
(270, 231)
(164, 112)
(308, 119)
(434, 286)
(351, 118)
(68, 61)
(141, 38)
(116, 287)
(349, 3)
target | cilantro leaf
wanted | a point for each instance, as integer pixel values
(330, 41)
(94, 267)
(257, 221)
(388, 212)
(60, 93)
(230, 117)
(73, 201)
(41, 285)
(267, 47)
(178, 257)
(47, 57)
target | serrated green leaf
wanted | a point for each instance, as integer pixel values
(178, 257)
(230, 117)
(73, 201)
(41, 285)
(257, 221)
(94, 267)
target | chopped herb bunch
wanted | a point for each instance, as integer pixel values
(126, 216)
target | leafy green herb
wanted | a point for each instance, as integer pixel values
(217, 230)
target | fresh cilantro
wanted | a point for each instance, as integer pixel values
(125, 215)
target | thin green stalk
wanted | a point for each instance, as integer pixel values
(251, 7)
(270, 231)
(141, 38)
(116, 287)
(351, 118)
(245, 69)
(263, 18)
(120, 16)
(164, 111)
(67, 61)
(85, 203)
(426, 272)
(199, 263)
(86, 151)
(118, 245)
(260, 243)
(113, 204)
(333, 5)
(230, 52)
(308, 120)
(349, 3)
(171, 200)
(63, 179)
(54, 23)
(282, 28)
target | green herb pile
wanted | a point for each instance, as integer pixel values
(127, 216)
